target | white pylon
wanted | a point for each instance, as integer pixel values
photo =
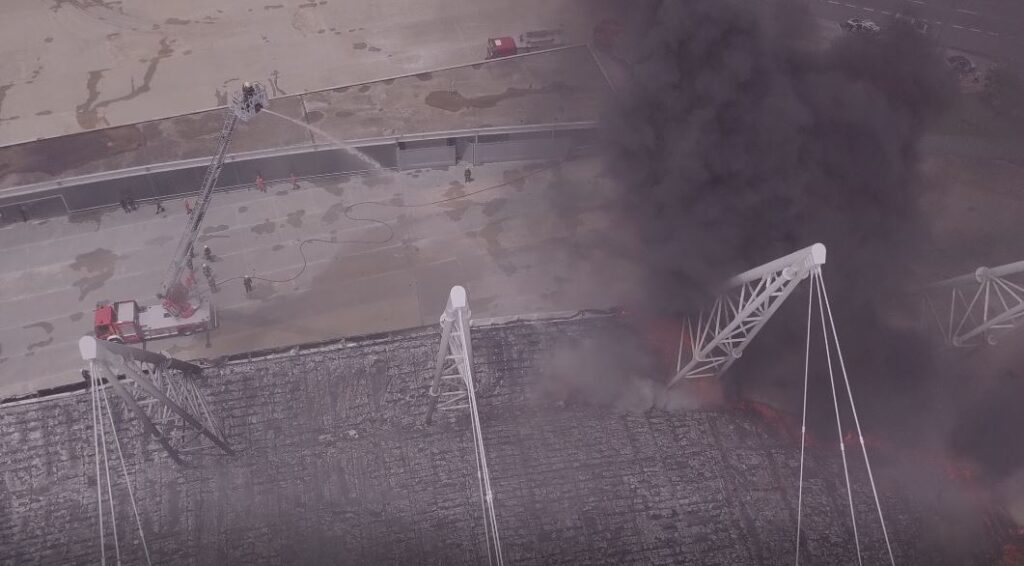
(162, 392)
(978, 307)
(709, 345)
(453, 388)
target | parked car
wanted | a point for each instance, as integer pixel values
(859, 26)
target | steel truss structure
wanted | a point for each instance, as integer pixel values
(162, 393)
(453, 388)
(978, 307)
(708, 347)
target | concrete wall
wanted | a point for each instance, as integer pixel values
(336, 467)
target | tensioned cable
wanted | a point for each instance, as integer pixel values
(483, 474)
(856, 421)
(124, 468)
(96, 450)
(803, 425)
(839, 424)
(106, 465)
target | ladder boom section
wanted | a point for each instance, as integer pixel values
(978, 306)
(244, 106)
(709, 345)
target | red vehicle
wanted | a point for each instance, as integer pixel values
(501, 47)
(535, 40)
(125, 322)
(182, 309)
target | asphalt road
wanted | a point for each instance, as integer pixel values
(994, 28)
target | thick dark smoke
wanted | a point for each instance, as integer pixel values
(742, 138)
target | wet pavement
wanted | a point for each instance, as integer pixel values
(380, 266)
(554, 87)
(73, 66)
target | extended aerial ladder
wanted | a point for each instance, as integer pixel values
(177, 286)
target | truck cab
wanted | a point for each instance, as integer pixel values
(118, 322)
(501, 47)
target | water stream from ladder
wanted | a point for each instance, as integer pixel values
(370, 162)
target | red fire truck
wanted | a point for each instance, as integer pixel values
(182, 309)
(535, 40)
(125, 322)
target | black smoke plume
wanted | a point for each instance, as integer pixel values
(741, 138)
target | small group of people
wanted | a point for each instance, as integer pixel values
(128, 204)
(261, 184)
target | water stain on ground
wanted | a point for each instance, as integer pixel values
(281, 193)
(243, 209)
(453, 101)
(45, 327)
(489, 234)
(88, 112)
(294, 219)
(277, 247)
(265, 227)
(159, 240)
(177, 22)
(359, 45)
(75, 317)
(425, 76)
(314, 116)
(215, 229)
(208, 237)
(494, 206)
(98, 266)
(364, 89)
(332, 186)
(273, 6)
(332, 214)
(514, 178)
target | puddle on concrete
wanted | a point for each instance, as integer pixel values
(425, 76)
(494, 206)
(99, 265)
(215, 229)
(243, 209)
(489, 234)
(45, 327)
(333, 213)
(177, 22)
(513, 177)
(265, 227)
(314, 116)
(359, 45)
(364, 89)
(77, 316)
(277, 247)
(332, 186)
(294, 219)
(453, 101)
